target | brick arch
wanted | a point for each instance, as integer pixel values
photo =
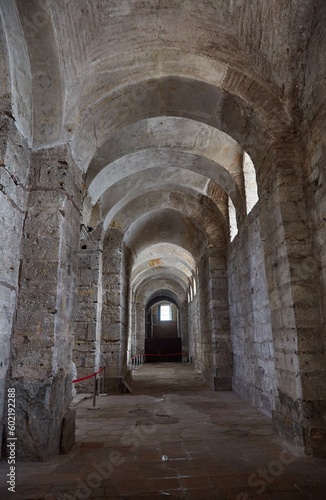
(148, 290)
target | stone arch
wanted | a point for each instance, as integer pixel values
(16, 78)
(46, 88)
(150, 289)
(170, 97)
(177, 203)
(138, 162)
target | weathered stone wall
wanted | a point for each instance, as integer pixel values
(194, 321)
(201, 343)
(313, 130)
(111, 308)
(41, 358)
(211, 347)
(251, 331)
(14, 172)
(85, 335)
(138, 332)
(125, 310)
(115, 306)
(292, 291)
(184, 329)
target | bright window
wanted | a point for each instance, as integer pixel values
(165, 312)
(250, 182)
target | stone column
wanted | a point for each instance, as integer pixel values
(115, 306)
(184, 330)
(14, 172)
(41, 361)
(219, 320)
(212, 348)
(89, 297)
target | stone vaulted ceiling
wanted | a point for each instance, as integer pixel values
(158, 100)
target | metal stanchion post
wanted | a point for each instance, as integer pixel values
(103, 393)
(94, 407)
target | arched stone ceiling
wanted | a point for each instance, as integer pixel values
(161, 281)
(16, 74)
(158, 143)
(183, 198)
(168, 132)
(137, 162)
(155, 252)
(148, 290)
(165, 258)
(173, 272)
(165, 262)
(121, 169)
(161, 298)
(165, 225)
(182, 26)
(215, 28)
(202, 214)
(150, 178)
(174, 96)
(90, 48)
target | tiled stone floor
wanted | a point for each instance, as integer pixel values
(171, 438)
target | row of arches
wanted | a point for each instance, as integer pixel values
(128, 172)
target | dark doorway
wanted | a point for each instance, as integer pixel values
(163, 342)
(159, 350)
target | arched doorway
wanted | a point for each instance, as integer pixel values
(163, 340)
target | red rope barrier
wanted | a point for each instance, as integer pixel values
(88, 376)
(175, 354)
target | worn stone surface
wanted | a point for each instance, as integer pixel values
(172, 437)
(41, 362)
(251, 333)
(14, 170)
(86, 350)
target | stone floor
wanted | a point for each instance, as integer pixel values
(171, 438)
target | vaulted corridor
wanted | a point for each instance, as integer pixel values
(162, 199)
